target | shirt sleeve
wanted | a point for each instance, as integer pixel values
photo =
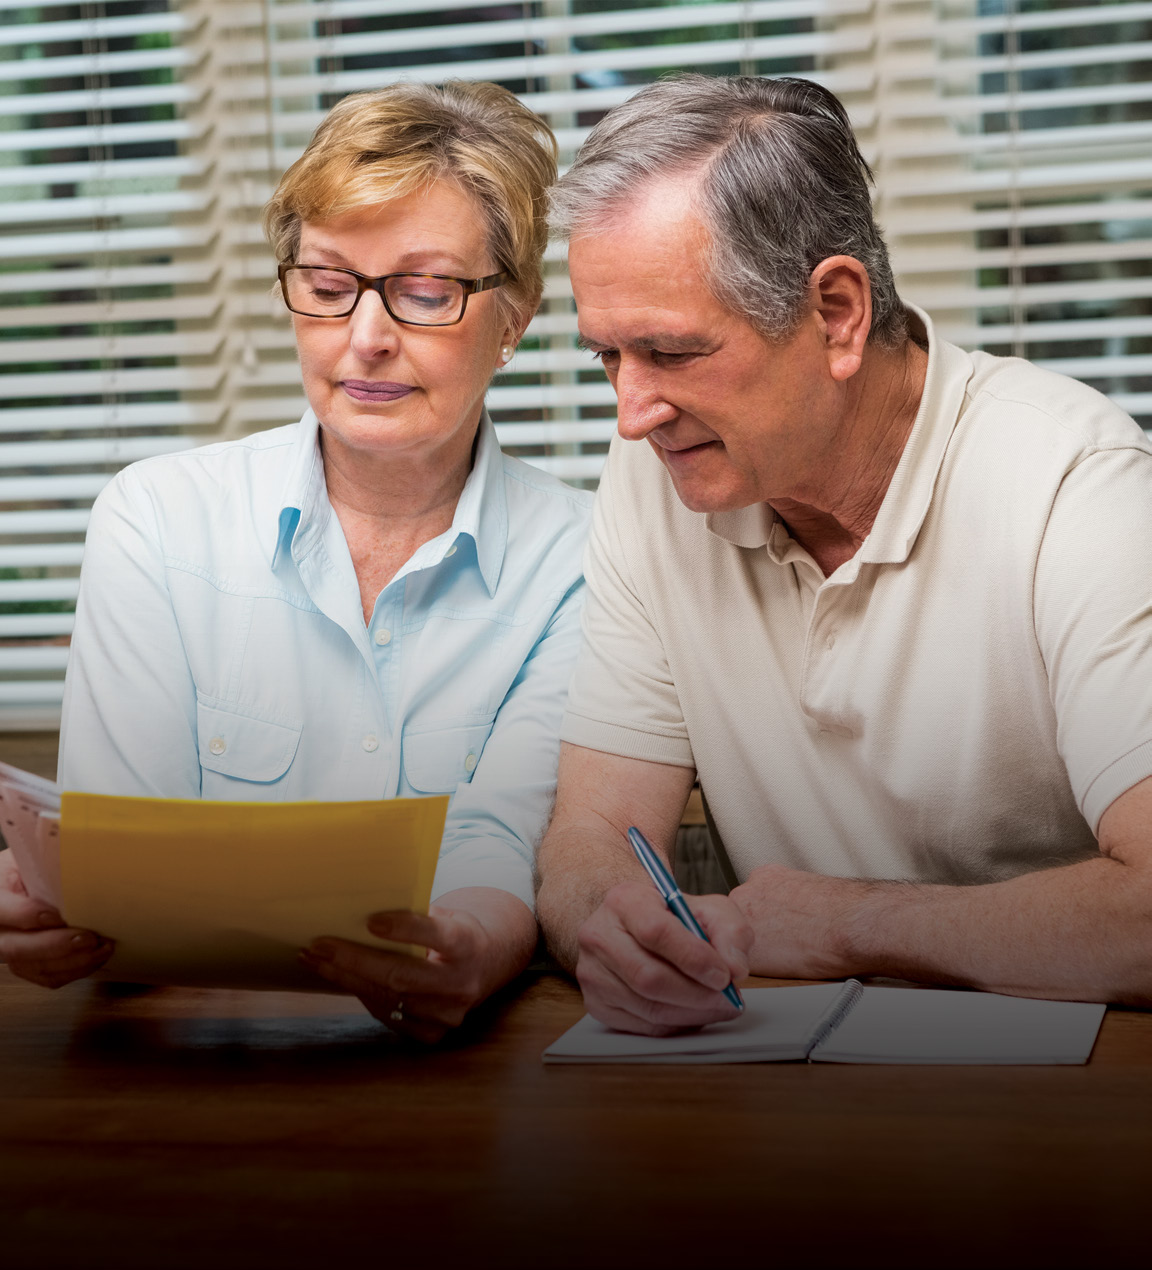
(623, 698)
(1093, 614)
(129, 718)
(496, 820)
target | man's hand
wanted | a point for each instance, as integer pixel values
(34, 940)
(800, 920)
(476, 945)
(642, 971)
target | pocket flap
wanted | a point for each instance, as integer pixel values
(243, 747)
(436, 762)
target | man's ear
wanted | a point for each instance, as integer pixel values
(842, 299)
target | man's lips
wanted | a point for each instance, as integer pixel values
(683, 452)
(375, 389)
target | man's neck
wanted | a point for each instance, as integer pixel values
(835, 512)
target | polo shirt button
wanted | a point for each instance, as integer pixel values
(470, 764)
(217, 745)
(383, 636)
(370, 742)
(830, 642)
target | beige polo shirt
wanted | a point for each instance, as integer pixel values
(959, 702)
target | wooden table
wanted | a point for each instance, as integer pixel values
(181, 1128)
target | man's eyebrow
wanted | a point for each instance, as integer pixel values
(662, 343)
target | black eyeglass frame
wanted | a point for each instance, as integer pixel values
(365, 282)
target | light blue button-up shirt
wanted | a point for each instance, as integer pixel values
(220, 649)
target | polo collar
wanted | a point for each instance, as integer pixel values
(909, 494)
(481, 510)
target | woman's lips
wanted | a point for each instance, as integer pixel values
(375, 389)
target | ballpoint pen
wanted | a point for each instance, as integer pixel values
(670, 893)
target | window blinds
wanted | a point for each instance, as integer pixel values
(140, 138)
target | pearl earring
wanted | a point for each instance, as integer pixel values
(506, 353)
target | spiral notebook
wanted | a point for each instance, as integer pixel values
(850, 1023)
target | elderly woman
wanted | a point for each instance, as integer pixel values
(374, 602)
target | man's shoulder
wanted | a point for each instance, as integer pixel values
(1031, 403)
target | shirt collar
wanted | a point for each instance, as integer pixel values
(909, 493)
(481, 510)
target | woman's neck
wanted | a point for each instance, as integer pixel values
(388, 508)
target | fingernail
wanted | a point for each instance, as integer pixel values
(48, 919)
(379, 925)
(84, 940)
(321, 951)
(719, 979)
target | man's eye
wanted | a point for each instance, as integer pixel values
(606, 356)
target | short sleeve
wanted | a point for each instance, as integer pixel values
(1093, 614)
(623, 699)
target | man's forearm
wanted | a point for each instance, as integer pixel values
(1080, 932)
(578, 865)
(585, 853)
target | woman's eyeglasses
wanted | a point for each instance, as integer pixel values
(416, 299)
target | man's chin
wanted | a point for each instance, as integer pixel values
(699, 494)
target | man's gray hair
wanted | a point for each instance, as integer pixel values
(780, 185)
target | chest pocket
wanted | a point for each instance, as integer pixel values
(242, 747)
(436, 762)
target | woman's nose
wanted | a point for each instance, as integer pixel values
(373, 331)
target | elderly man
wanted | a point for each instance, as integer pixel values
(891, 601)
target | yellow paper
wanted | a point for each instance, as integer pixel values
(226, 894)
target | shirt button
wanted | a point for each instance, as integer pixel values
(370, 742)
(830, 642)
(383, 636)
(470, 763)
(217, 745)
(451, 551)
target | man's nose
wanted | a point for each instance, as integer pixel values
(372, 329)
(640, 406)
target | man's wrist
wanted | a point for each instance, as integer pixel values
(873, 931)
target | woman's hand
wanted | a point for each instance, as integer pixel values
(34, 940)
(477, 940)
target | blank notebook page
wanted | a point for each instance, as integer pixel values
(777, 1023)
(902, 1025)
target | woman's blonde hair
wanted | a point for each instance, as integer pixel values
(380, 145)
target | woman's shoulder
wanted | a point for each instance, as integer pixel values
(187, 500)
(248, 461)
(547, 526)
(245, 472)
(533, 492)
